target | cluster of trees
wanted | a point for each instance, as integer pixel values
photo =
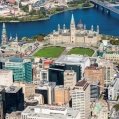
(116, 107)
(85, 3)
(114, 42)
(39, 37)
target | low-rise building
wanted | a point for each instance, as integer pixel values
(112, 56)
(100, 110)
(6, 77)
(13, 115)
(49, 112)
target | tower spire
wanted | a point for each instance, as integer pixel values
(4, 35)
(16, 39)
(10, 37)
(72, 30)
(72, 19)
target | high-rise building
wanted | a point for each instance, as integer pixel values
(94, 73)
(109, 67)
(14, 99)
(81, 98)
(22, 68)
(70, 79)
(1, 107)
(49, 112)
(47, 90)
(94, 90)
(4, 35)
(62, 95)
(75, 63)
(28, 88)
(2, 96)
(6, 77)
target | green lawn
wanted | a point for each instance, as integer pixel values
(82, 51)
(49, 52)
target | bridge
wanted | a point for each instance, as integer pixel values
(105, 5)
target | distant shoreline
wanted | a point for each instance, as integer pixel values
(46, 18)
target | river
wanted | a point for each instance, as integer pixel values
(109, 24)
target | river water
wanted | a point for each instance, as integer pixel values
(109, 24)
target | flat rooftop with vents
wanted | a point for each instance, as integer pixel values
(50, 112)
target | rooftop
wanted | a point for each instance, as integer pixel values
(3, 72)
(2, 88)
(94, 68)
(49, 111)
(15, 59)
(82, 83)
(12, 89)
(76, 59)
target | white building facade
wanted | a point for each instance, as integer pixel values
(6, 77)
(81, 98)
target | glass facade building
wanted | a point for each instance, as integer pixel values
(22, 69)
(56, 72)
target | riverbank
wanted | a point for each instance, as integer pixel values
(36, 17)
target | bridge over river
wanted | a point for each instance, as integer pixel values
(105, 5)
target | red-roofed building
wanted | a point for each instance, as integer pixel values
(46, 63)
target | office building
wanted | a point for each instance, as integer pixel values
(14, 99)
(78, 60)
(49, 112)
(80, 95)
(2, 97)
(22, 68)
(6, 77)
(1, 65)
(28, 88)
(44, 74)
(75, 63)
(113, 90)
(109, 67)
(62, 95)
(94, 90)
(47, 90)
(94, 73)
(1, 107)
(70, 79)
